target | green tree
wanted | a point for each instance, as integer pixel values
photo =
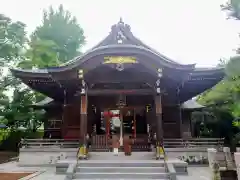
(233, 9)
(226, 93)
(62, 28)
(15, 110)
(224, 98)
(19, 113)
(12, 40)
(41, 54)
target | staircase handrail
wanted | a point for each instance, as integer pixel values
(165, 159)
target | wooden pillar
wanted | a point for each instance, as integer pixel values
(159, 127)
(149, 119)
(158, 106)
(64, 122)
(83, 109)
(64, 115)
(107, 119)
(134, 124)
(83, 116)
(180, 121)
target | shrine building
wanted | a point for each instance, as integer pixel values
(121, 86)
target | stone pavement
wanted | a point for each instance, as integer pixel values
(196, 173)
(13, 167)
(48, 173)
(110, 157)
(43, 173)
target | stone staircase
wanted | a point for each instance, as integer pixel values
(122, 169)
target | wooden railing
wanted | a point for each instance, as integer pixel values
(193, 142)
(101, 143)
(141, 143)
(62, 143)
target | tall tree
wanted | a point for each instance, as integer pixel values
(15, 110)
(233, 8)
(226, 94)
(62, 28)
(40, 54)
(12, 40)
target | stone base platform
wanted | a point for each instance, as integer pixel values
(137, 159)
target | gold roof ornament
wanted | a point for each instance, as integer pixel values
(120, 60)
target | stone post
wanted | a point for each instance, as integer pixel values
(238, 149)
(237, 161)
(213, 164)
(228, 158)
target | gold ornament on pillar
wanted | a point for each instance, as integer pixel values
(148, 108)
(159, 72)
(80, 74)
(158, 89)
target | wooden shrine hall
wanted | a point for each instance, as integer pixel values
(121, 86)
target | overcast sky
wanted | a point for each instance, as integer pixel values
(187, 31)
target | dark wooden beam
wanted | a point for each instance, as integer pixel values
(120, 91)
(113, 76)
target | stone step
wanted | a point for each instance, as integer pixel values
(112, 169)
(121, 179)
(118, 175)
(121, 164)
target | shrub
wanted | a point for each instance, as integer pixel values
(11, 139)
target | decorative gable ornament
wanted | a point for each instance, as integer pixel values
(120, 37)
(119, 31)
(119, 67)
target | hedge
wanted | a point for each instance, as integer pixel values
(10, 139)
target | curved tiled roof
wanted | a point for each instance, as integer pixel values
(191, 104)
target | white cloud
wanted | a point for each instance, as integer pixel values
(188, 31)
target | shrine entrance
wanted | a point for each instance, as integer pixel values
(117, 119)
(125, 123)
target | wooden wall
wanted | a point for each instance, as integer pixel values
(53, 129)
(72, 120)
(186, 126)
(71, 117)
(171, 122)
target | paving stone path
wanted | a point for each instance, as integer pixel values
(48, 173)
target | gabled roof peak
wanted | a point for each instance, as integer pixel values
(120, 27)
(120, 21)
(120, 34)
